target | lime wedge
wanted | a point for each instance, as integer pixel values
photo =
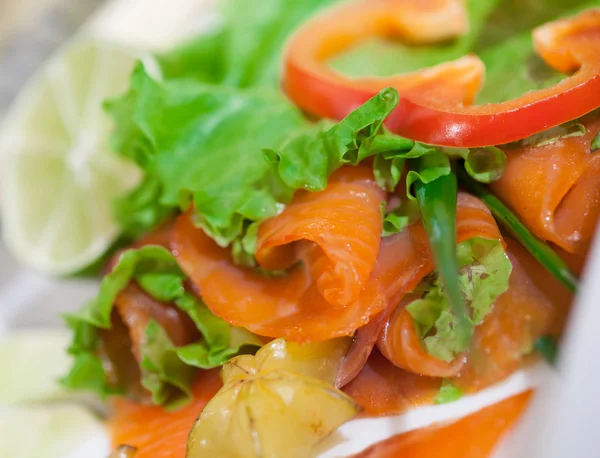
(32, 362)
(59, 177)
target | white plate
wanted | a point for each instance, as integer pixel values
(564, 416)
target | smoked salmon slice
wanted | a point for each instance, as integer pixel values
(534, 305)
(475, 436)
(336, 233)
(404, 260)
(517, 319)
(311, 303)
(555, 188)
(119, 347)
(155, 432)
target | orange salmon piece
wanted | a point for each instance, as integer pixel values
(336, 233)
(404, 260)
(156, 433)
(555, 189)
(475, 436)
(297, 306)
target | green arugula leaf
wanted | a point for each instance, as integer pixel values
(448, 393)
(484, 274)
(437, 204)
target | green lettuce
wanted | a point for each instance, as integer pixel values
(484, 274)
(239, 155)
(231, 76)
(595, 146)
(207, 148)
(165, 373)
(397, 219)
(431, 166)
(448, 393)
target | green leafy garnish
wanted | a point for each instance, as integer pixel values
(397, 219)
(536, 247)
(141, 209)
(437, 203)
(546, 346)
(483, 276)
(226, 84)
(433, 165)
(595, 146)
(164, 372)
(448, 393)
(195, 129)
(483, 164)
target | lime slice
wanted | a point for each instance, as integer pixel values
(32, 361)
(59, 175)
(49, 431)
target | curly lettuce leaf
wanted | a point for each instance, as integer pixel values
(397, 219)
(197, 129)
(164, 372)
(133, 264)
(207, 148)
(484, 274)
(308, 158)
(243, 52)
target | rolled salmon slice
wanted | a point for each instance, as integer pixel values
(555, 188)
(335, 232)
(316, 301)
(404, 260)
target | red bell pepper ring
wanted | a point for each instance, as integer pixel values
(435, 105)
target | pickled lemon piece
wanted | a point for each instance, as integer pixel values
(280, 402)
(320, 360)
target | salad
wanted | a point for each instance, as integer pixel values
(327, 210)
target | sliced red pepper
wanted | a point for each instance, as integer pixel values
(435, 105)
